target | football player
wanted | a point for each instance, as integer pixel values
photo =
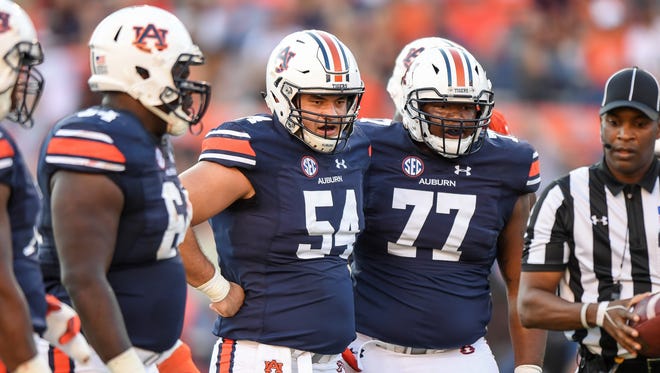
(408, 54)
(114, 210)
(26, 312)
(284, 195)
(444, 199)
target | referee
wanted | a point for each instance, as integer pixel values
(591, 248)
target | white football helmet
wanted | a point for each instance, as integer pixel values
(312, 62)
(21, 84)
(402, 63)
(451, 75)
(146, 52)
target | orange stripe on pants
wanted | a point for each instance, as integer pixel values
(59, 361)
(226, 352)
(179, 362)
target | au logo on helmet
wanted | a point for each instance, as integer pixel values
(4, 22)
(410, 57)
(285, 56)
(144, 34)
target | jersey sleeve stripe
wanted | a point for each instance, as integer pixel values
(233, 158)
(84, 134)
(84, 148)
(6, 163)
(227, 144)
(84, 162)
(534, 169)
(228, 133)
(534, 176)
(533, 181)
(6, 150)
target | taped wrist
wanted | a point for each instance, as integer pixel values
(600, 314)
(216, 288)
(583, 315)
(127, 361)
(34, 365)
(528, 368)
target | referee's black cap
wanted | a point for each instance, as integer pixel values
(632, 87)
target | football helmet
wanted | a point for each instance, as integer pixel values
(402, 63)
(313, 62)
(146, 52)
(450, 75)
(21, 84)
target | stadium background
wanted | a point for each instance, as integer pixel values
(548, 61)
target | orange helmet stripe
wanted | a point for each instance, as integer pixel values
(460, 69)
(334, 55)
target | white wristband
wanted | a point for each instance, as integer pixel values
(528, 368)
(216, 288)
(600, 314)
(126, 362)
(34, 365)
(583, 315)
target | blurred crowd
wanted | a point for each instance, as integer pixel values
(548, 61)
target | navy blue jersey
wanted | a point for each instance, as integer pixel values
(422, 264)
(287, 246)
(146, 273)
(23, 207)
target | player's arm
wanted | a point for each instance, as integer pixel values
(16, 343)
(528, 344)
(86, 210)
(211, 189)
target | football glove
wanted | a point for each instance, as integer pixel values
(63, 330)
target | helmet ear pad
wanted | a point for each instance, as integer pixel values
(146, 52)
(318, 63)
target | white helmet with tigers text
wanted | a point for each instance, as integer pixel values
(146, 52)
(447, 75)
(313, 62)
(21, 84)
(403, 61)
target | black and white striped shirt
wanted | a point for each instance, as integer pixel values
(600, 233)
